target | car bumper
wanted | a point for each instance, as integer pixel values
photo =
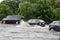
(11, 21)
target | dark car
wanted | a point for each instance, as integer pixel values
(12, 19)
(55, 25)
(36, 22)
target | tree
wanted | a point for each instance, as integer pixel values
(27, 9)
(42, 9)
(45, 9)
(58, 14)
(32, 1)
(4, 11)
(13, 4)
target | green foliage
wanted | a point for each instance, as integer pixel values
(42, 9)
(9, 7)
(13, 4)
(46, 10)
(57, 5)
(32, 1)
(27, 9)
(4, 11)
(58, 14)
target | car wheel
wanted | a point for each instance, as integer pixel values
(17, 22)
(51, 29)
(39, 24)
(43, 25)
(4, 22)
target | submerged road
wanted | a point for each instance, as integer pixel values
(12, 32)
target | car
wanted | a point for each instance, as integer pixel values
(55, 25)
(12, 19)
(36, 22)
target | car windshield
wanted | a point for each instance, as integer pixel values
(34, 20)
(56, 22)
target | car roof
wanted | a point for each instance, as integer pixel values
(13, 15)
(34, 19)
(56, 21)
(38, 19)
(16, 15)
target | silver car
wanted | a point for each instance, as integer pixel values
(36, 22)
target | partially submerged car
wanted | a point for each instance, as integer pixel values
(36, 22)
(55, 25)
(12, 19)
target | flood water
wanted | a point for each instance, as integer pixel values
(24, 31)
